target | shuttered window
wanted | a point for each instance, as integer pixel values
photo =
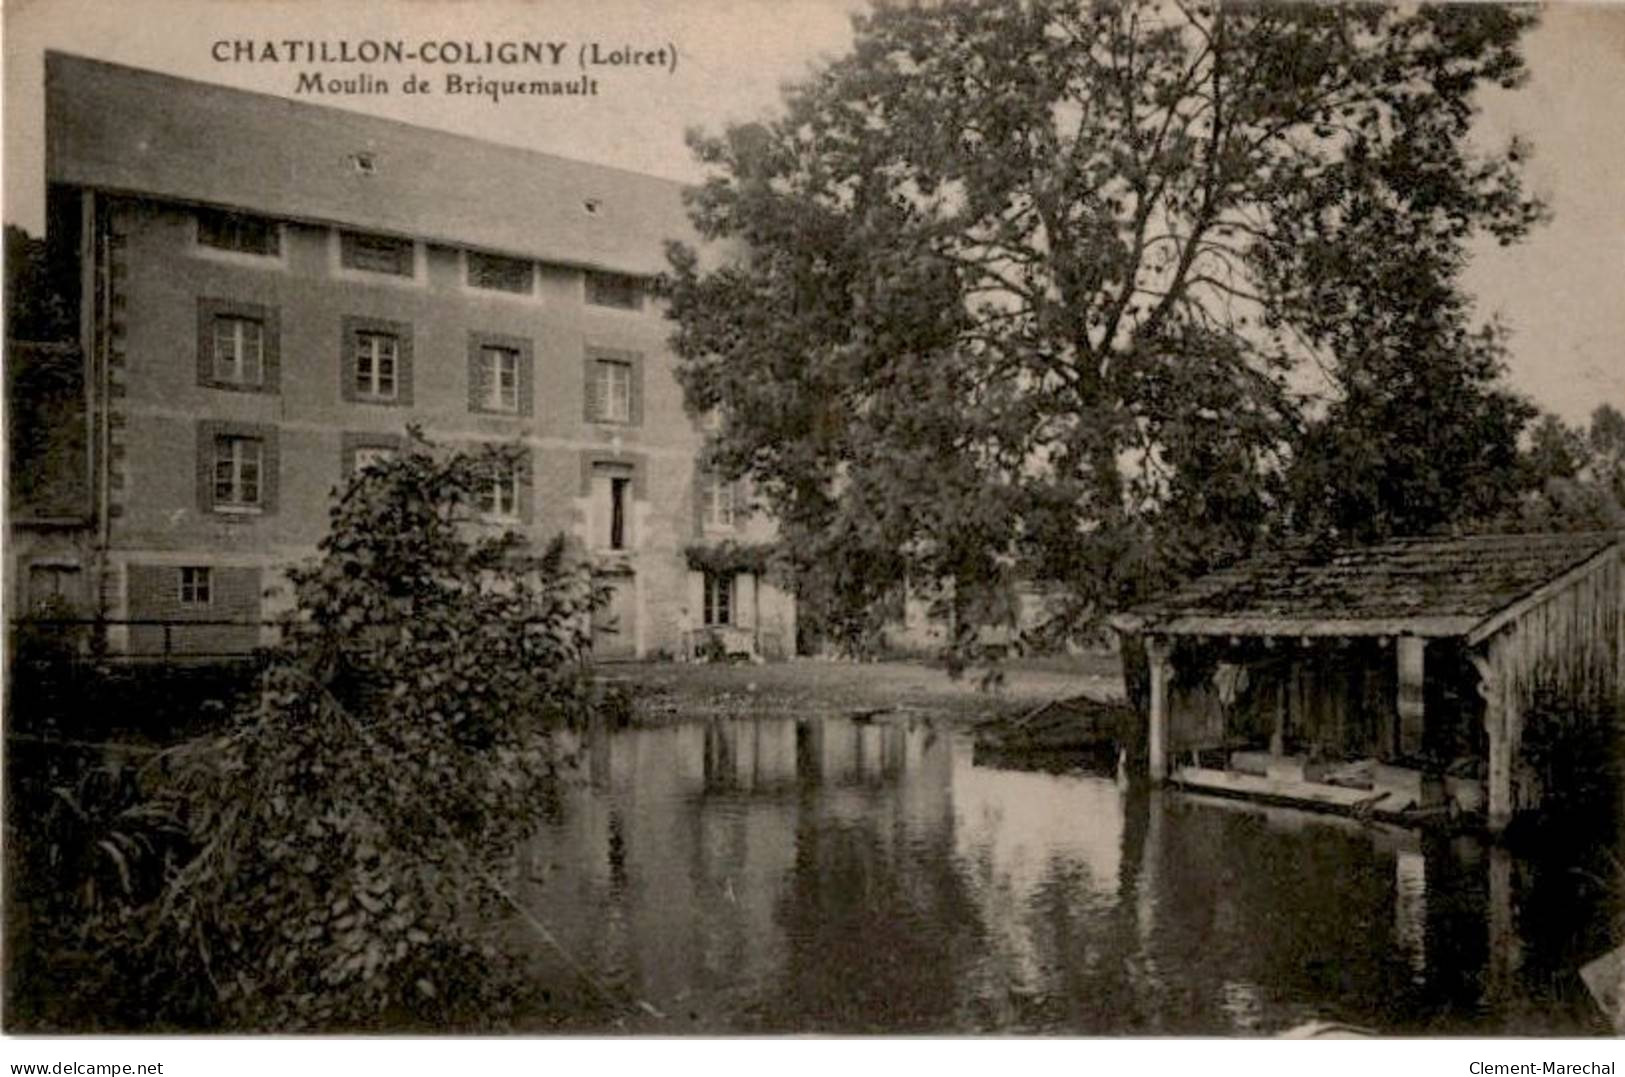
(238, 465)
(239, 350)
(237, 346)
(609, 391)
(376, 254)
(718, 502)
(242, 233)
(499, 494)
(196, 586)
(719, 598)
(499, 378)
(614, 290)
(372, 455)
(376, 356)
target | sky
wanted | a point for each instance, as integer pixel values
(1561, 292)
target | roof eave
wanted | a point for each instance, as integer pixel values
(1436, 627)
(1489, 626)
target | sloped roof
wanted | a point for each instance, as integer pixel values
(1438, 587)
(132, 131)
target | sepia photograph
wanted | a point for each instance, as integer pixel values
(838, 518)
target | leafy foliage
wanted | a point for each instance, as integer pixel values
(350, 828)
(1577, 477)
(38, 290)
(1103, 291)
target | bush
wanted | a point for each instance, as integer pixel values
(354, 824)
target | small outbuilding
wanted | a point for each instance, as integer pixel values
(1415, 676)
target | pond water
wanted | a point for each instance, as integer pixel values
(779, 875)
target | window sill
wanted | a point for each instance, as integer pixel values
(238, 510)
(238, 387)
(249, 259)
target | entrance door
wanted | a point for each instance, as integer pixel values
(615, 623)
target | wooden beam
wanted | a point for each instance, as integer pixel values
(1158, 653)
(1495, 622)
(1412, 702)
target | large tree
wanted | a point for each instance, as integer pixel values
(1085, 290)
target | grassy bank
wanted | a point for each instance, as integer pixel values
(674, 691)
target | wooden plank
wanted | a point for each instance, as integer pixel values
(1314, 793)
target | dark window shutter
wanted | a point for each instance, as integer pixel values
(270, 469)
(635, 410)
(697, 487)
(205, 467)
(592, 407)
(271, 351)
(527, 486)
(477, 375)
(205, 342)
(403, 364)
(347, 360)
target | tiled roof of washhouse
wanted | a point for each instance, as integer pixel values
(1438, 587)
(126, 130)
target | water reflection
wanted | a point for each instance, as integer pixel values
(774, 875)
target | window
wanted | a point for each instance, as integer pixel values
(718, 502)
(499, 496)
(237, 469)
(611, 506)
(196, 586)
(612, 390)
(376, 359)
(371, 455)
(376, 254)
(499, 375)
(237, 346)
(496, 273)
(240, 232)
(614, 290)
(617, 512)
(719, 598)
(359, 451)
(52, 586)
(239, 350)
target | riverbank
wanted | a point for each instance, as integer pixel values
(663, 692)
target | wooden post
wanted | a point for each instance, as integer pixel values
(1498, 780)
(1157, 653)
(1412, 701)
(1285, 696)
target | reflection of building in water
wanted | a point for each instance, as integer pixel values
(770, 874)
(671, 859)
(848, 752)
(1411, 907)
